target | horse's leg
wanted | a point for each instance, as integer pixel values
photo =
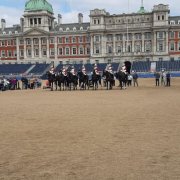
(51, 85)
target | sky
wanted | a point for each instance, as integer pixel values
(12, 10)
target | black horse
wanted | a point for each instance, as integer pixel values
(109, 79)
(61, 81)
(122, 77)
(51, 79)
(83, 80)
(72, 81)
(96, 78)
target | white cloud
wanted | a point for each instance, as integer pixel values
(13, 14)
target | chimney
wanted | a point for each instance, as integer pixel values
(59, 19)
(80, 18)
(22, 24)
(3, 24)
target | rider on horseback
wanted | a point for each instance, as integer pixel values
(84, 70)
(96, 69)
(64, 71)
(73, 72)
(52, 71)
(109, 68)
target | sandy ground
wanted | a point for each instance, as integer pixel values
(133, 134)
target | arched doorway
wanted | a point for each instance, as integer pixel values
(128, 66)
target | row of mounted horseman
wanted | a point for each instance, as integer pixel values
(69, 79)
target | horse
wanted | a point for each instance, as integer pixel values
(96, 78)
(51, 79)
(61, 81)
(122, 77)
(109, 79)
(72, 81)
(83, 80)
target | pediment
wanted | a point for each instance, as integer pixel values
(35, 32)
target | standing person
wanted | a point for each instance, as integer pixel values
(129, 83)
(157, 77)
(168, 79)
(135, 78)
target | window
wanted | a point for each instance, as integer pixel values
(147, 35)
(60, 40)
(52, 51)
(160, 35)
(67, 51)
(109, 49)
(148, 46)
(31, 21)
(9, 53)
(60, 51)
(138, 36)
(81, 50)
(74, 51)
(43, 40)
(97, 51)
(172, 47)
(29, 52)
(28, 41)
(158, 18)
(172, 22)
(36, 41)
(119, 37)
(97, 38)
(171, 34)
(162, 17)
(137, 47)
(119, 49)
(80, 39)
(67, 39)
(3, 53)
(39, 20)
(21, 52)
(21, 41)
(36, 52)
(35, 20)
(2, 43)
(9, 42)
(44, 52)
(15, 53)
(74, 39)
(160, 46)
(88, 50)
(51, 40)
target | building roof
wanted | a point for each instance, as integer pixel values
(8, 30)
(38, 5)
(73, 27)
(142, 10)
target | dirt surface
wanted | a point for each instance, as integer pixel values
(131, 134)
